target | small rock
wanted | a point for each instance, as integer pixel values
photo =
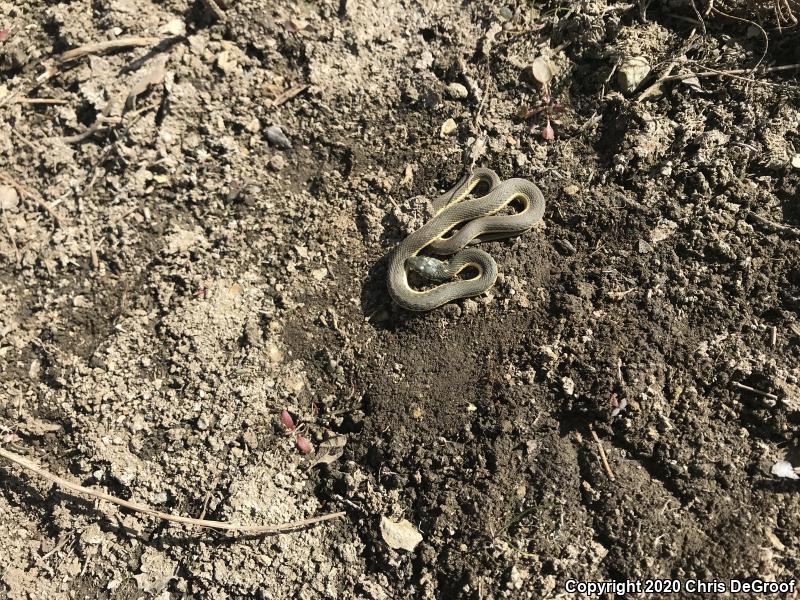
(253, 125)
(430, 99)
(250, 438)
(470, 307)
(521, 159)
(276, 137)
(784, 469)
(644, 247)
(277, 163)
(568, 385)
(226, 61)
(425, 61)
(452, 311)
(92, 535)
(456, 91)
(506, 13)
(566, 246)
(664, 229)
(400, 535)
(8, 197)
(174, 27)
(516, 578)
(631, 72)
(796, 161)
(448, 128)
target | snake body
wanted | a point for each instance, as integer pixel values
(477, 223)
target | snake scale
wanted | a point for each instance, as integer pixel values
(477, 221)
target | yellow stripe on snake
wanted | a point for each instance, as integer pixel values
(478, 222)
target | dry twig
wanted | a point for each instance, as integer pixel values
(753, 390)
(709, 72)
(772, 224)
(39, 101)
(99, 47)
(288, 95)
(603, 456)
(141, 508)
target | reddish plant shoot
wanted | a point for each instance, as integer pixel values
(304, 445)
(548, 133)
(287, 420)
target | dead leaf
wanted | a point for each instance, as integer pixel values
(331, 449)
(540, 70)
(408, 177)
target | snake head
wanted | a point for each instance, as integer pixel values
(429, 267)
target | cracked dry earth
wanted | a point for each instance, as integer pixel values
(194, 238)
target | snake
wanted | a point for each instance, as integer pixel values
(476, 221)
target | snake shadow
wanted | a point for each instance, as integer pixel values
(376, 303)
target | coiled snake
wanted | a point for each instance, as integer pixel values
(478, 222)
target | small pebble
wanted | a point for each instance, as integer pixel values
(277, 162)
(456, 91)
(276, 137)
(448, 127)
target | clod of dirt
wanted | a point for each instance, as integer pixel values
(631, 72)
(155, 572)
(400, 535)
(448, 127)
(277, 163)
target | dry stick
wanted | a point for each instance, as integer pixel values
(751, 23)
(778, 226)
(92, 246)
(753, 390)
(288, 95)
(40, 101)
(732, 72)
(96, 48)
(141, 508)
(603, 456)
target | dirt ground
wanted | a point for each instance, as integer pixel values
(194, 238)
